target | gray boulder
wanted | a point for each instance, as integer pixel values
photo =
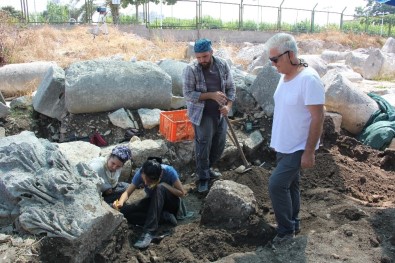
(264, 87)
(356, 60)
(97, 86)
(244, 102)
(21, 78)
(174, 69)
(4, 110)
(317, 63)
(228, 203)
(342, 97)
(389, 46)
(49, 98)
(41, 193)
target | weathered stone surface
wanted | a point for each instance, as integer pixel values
(22, 78)
(254, 140)
(4, 110)
(356, 59)
(264, 87)
(79, 151)
(174, 69)
(149, 117)
(373, 65)
(389, 46)
(317, 63)
(49, 98)
(336, 118)
(141, 150)
(121, 119)
(342, 97)
(331, 56)
(97, 86)
(229, 204)
(43, 194)
(244, 102)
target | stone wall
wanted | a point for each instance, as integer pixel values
(216, 35)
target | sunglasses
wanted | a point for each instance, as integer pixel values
(275, 59)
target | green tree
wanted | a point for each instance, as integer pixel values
(374, 8)
(137, 3)
(56, 13)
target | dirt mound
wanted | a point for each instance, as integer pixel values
(348, 191)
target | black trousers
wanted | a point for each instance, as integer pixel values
(148, 210)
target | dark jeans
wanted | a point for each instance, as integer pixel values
(148, 210)
(116, 193)
(284, 191)
(210, 138)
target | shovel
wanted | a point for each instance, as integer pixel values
(236, 142)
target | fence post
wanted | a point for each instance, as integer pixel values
(312, 19)
(279, 16)
(241, 15)
(342, 19)
(366, 23)
(199, 18)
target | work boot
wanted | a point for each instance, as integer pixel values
(203, 186)
(144, 240)
(214, 175)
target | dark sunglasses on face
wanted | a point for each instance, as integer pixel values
(275, 59)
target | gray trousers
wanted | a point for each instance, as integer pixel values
(284, 192)
(210, 138)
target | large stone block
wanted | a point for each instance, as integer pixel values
(100, 85)
(49, 98)
(22, 78)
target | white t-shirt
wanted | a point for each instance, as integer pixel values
(291, 119)
(110, 179)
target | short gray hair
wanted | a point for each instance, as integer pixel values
(282, 42)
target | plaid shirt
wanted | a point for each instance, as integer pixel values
(194, 84)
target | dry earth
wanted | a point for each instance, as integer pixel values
(347, 214)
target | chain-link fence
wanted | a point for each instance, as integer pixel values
(207, 14)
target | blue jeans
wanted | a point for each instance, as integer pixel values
(284, 192)
(210, 138)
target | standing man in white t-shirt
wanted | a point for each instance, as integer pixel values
(297, 126)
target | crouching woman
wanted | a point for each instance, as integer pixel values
(163, 190)
(109, 170)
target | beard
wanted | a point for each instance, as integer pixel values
(205, 65)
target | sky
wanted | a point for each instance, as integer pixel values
(229, 10)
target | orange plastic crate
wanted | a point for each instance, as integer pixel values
(175, 126)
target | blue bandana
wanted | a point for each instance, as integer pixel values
(123, 153)
(202, 45)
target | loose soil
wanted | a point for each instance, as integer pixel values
(347, 212)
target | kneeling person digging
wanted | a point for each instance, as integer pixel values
(163, 192)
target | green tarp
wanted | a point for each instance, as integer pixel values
(380, 128)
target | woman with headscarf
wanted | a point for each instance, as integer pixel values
(109, 169)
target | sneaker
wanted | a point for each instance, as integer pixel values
(169, 217)
(282, 238)
(203, 186)
(144, 240)
(214, 174)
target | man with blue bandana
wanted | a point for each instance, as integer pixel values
(209, 91)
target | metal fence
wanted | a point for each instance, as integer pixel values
(241, 15)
